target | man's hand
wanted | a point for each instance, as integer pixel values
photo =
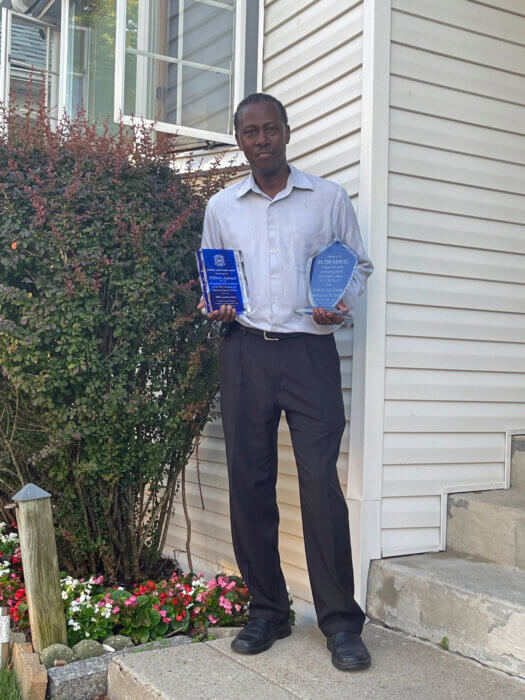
(226, 313)
(324, 318)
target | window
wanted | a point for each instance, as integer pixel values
(186, 63)
(29, 57)
(91, 58)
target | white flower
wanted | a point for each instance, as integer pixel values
(87, 634)
(64, 595)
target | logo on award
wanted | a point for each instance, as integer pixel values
(219, 260)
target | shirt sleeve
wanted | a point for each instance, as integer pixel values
(211, 233)
(346, 228)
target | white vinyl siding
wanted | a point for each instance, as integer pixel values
(312, 62)
(455, 320)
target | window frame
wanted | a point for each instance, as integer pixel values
(7, 61)
(238, 75)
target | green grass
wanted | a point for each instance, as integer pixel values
(8, 685)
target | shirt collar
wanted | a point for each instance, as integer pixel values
(296, 179)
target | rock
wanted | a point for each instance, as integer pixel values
(118, 642)
(87, 648)
(56, 652)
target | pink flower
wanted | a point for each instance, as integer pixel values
(212, 583)
(162, 613)
(199, 598)
(115, 610)
(167, 619)
(213, 620)
(237, 607)
(155, 606)
(10, 602)
(132, 600)
(230, 586)
(222, 582)
(101, 603)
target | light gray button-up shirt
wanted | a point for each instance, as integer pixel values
(276, 237)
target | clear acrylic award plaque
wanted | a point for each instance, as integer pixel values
(222, 277)
(328, 274)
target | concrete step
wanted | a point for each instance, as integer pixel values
(489, 526)
(478, 607)
(300, 667)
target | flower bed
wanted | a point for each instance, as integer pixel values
(148, 611)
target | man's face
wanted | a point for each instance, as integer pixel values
(263, 136)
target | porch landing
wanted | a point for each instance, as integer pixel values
(300, 667)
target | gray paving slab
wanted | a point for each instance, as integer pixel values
(195, 670)
(300, 667)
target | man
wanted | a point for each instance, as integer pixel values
(274, 359)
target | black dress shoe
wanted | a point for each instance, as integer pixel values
(259, 635)
(349, 652)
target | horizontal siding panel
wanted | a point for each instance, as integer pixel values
(426, 479)
(454, 261)
(515, 6)
(444, 353)
(340, 125)
(427, 67)
(442, 385)
(298, 57)
(334, 66)
(455, 292)
(403, 540)
(316, 25)
(456, 42)
(426, 130)
(441, 227)
(424, 511)
(436, 164)
(435, 416)
(467, 15)
(463, 324)
(277, 12)
(328, 99)
(459, 106)
(217, 552)
(331, 158)
(456, 199)
(443, 448)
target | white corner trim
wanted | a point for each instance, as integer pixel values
(368, 378)
(367, 409)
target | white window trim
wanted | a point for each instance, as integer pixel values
(5, 40)
(238, 77)
(63, 69)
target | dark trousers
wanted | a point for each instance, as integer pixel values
(300, 376)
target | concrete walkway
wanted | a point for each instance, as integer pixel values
(300, 667)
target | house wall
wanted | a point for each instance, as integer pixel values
(312, 62)
(455, 314)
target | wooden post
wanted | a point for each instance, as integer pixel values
(40, 562)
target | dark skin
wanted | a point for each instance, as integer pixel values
(262, 136)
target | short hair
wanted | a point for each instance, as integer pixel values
(259, 97)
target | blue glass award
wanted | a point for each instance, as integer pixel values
(221, 273)
(328, 274)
